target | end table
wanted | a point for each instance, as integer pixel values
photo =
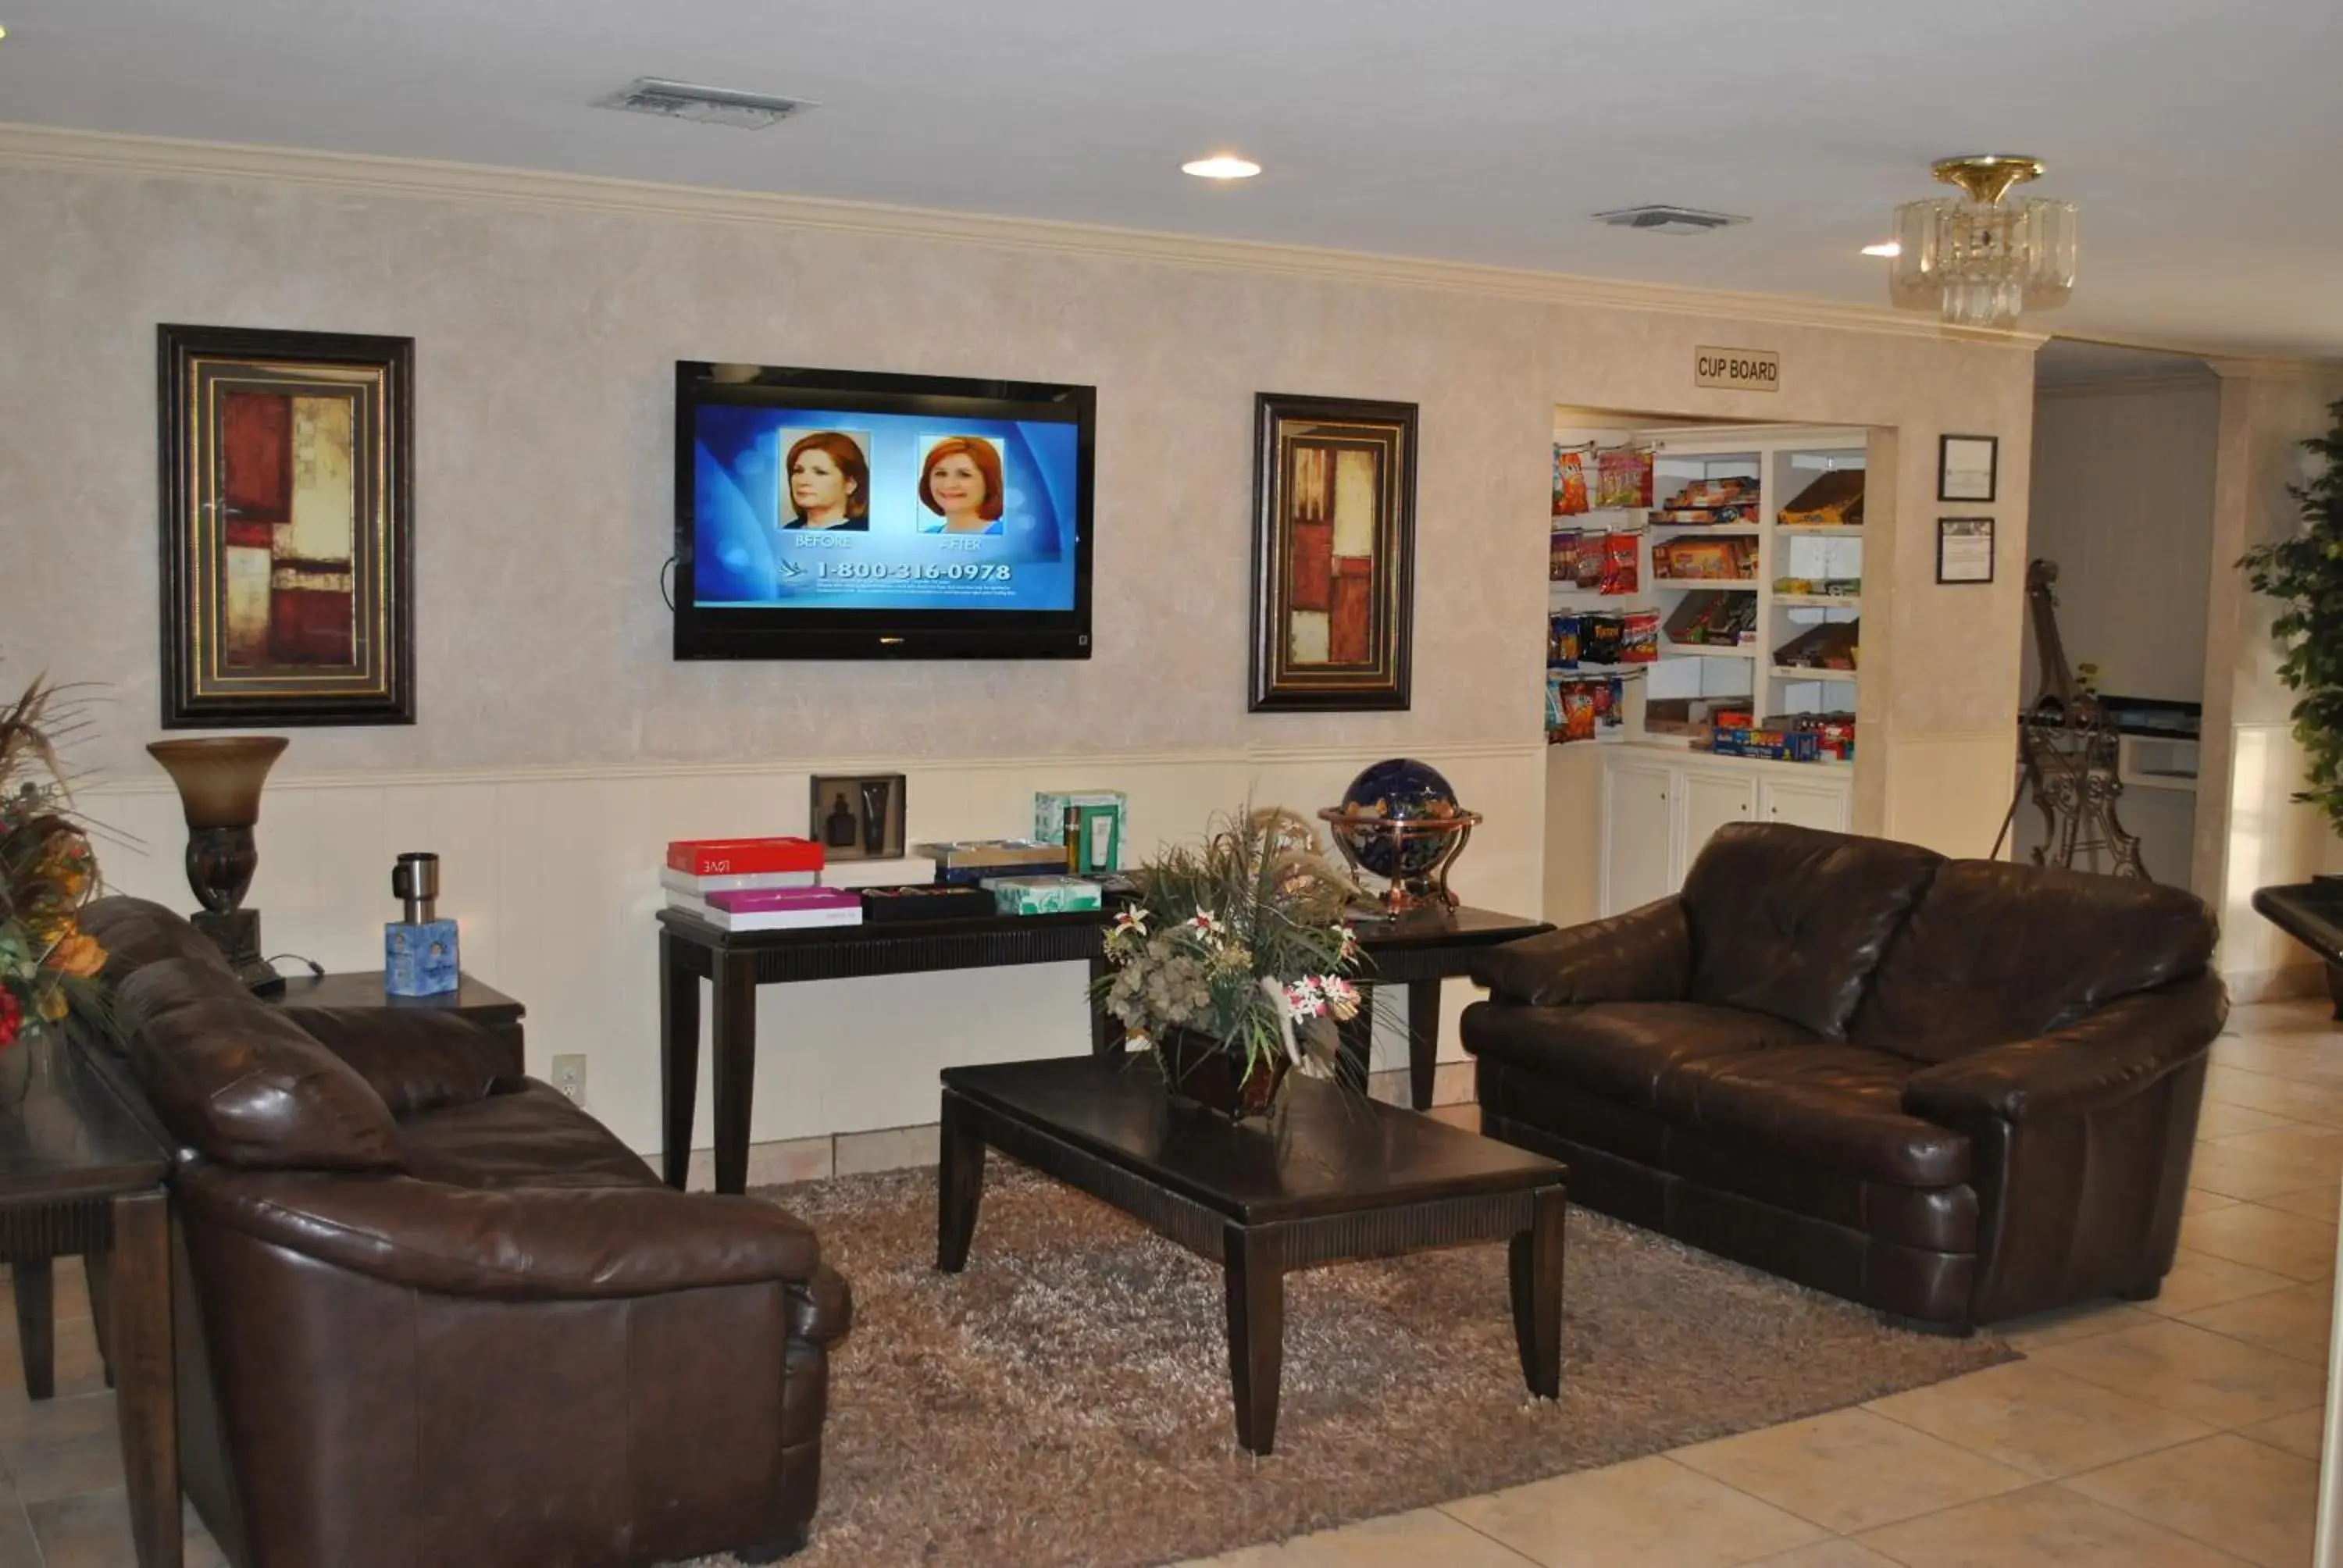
(493, 1011)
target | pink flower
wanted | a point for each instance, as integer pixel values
(1342, 997)
(1306, 998)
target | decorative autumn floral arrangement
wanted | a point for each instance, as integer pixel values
(1241, 942)
(48, 964)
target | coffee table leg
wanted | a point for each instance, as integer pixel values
(960, 1185)
(147, 1395)
(734, 1041)
(1535, 1255)
(35, 1292)
(1256, 1293)
(1422, 1040)
(679, 1058)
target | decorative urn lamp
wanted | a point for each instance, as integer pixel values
(219, 781)
(1399, 821)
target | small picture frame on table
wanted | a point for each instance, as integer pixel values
(1967, 468)
(1964, 550)
(858, 816)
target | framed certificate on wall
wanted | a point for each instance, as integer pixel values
(1965, 467)
(1964, 550)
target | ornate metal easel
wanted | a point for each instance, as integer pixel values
(2067, 747)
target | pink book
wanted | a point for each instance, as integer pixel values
(773, 908)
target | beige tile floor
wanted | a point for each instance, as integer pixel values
(2174, 1434)
(2183, 1433)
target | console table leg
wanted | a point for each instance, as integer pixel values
(1535, 1257)
(679, 1059)
(1256, 1298)
(960, 1186)
(147, 1396)
(37, 1321)
(1422, 1040)
(734, 1041)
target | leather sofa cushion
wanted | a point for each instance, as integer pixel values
(1998, 953)
(534, 1138)
(135, 934)
(1792, 921)
(416, 1058)
(1823, 1104)
(1619, 1049)
(235, 1078)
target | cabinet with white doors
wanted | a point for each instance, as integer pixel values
(1660, 808)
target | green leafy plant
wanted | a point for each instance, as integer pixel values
(1238, 939)
(2305, 574)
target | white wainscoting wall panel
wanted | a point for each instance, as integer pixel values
(554, 875)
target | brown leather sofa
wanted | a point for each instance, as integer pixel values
(432, 1314)
(1954, 1090)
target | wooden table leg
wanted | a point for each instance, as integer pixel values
(679, 1059)
(97, 1269)
(1256, 1299)
(1535, 1259)
(960, 1186)
(37, 1321)
(146, 1395)
(734, 1041)
(1422, 1040)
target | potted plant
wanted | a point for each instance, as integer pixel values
(2304, 573)
(1230, 963)
(48, 963)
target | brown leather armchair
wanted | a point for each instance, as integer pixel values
(1954, 1090)
(434, 1314)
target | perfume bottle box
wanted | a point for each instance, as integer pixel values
(1100, 813)
(419, 959)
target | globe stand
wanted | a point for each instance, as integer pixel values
(1419, 849)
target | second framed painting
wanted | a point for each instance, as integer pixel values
(287, 516)
(1333, 571)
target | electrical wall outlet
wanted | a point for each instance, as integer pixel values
(569, 1076)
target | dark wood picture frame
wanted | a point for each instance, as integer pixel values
(1333, 566)
(858, 791)
(1992, 471)
(1960, 528)
(288, 527)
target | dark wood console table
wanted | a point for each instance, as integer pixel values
(493, 1011)
(1417, 951)
(82, 1173)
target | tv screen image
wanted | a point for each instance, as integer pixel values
(829, 514)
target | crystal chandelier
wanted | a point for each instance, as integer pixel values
(1978, 259)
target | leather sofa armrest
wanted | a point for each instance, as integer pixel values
(544, 1243)
(415, 1058)
(822, 1308)
(2101, 1060)
(1643, 955)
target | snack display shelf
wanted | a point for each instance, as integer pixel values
(1818, 601)
(1840, 530)
(1718, 530)
(1707, 650)
(1728, 585)
(1808, 672)
(1588, 668)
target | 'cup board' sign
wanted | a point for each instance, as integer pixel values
(1738, 370)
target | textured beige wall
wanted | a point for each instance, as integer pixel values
(545, 340)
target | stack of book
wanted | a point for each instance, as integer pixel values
(755, 885)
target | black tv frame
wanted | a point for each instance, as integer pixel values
(870, 634)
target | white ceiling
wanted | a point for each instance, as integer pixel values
(2200, 139)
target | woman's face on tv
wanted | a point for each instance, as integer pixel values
(957, 483)
(816, 484)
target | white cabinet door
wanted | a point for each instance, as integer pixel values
(1803, 804)
(1638, 822)
(1707, 801)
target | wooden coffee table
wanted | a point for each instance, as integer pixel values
(1340, 1179)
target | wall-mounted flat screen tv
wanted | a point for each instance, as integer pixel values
(833, 514)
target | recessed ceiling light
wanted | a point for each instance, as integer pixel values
(1886, 249)
(1222, 167)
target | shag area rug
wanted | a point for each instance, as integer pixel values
(1066, 1400)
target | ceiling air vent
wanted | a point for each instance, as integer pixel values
(1661, 219)
(709, 106)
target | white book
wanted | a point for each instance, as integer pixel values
(763, 919)
(684, 883)
(878, 873)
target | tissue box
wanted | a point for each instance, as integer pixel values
(1101, 813)
(1043, 895)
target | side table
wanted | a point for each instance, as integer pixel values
(1418, 949)
(81, 1173)
(493, 1011)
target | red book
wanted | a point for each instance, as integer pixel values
(742, 856)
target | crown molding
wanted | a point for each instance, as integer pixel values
(2237, 369)
(51, 147)
(2121, 386)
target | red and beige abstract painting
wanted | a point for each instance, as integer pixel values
(1334, 501)
(287, 494)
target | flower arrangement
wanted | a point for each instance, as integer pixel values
(1241, 941)
(48, 963)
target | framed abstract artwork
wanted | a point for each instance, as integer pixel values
(1334, 574)
(287, 552)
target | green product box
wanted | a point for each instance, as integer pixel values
(1101, 813)
(1042, 895)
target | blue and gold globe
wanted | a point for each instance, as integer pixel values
(1400, 820)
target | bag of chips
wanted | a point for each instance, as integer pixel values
(1619, 575)
(1561, 642)
(1562, 559)
(1623, 476)
(1599, 637)
(1578, 710)
(1593, 548)
(1569, 490)
(1639, 637)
